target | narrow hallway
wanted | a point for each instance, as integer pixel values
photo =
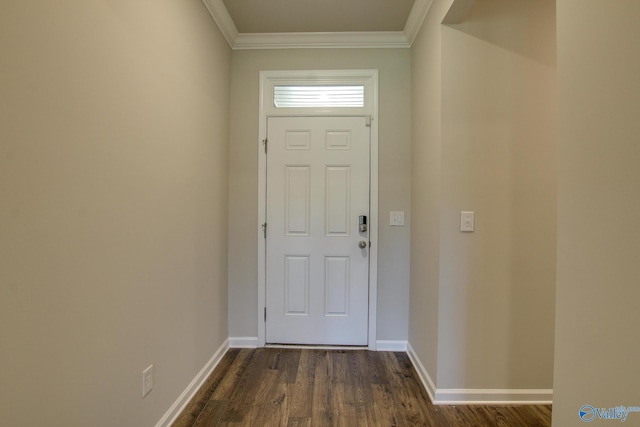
(283, 387)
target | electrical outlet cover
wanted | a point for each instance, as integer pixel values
(147, 380)
(467, 221)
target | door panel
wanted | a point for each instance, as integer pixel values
(338, 200)
(297, 200)
(317, 285)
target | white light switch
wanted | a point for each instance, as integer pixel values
(396, 218)
(467, 221)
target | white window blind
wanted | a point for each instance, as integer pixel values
(318, 96)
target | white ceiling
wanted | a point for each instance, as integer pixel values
(261, 24)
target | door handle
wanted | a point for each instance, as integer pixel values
(362, 244)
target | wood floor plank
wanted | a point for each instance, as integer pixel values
(384, 408)
(322, 390)
(311, 387)
(342, 408)
(270, 400)
(361, 370)
(374, 368)
(195, 407)
(288, 363)
(211, 414)
(243, 394)
(233, 375)
(412, 412)
(301, 391)
(299, 422)
(420, 408)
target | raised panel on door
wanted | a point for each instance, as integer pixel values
(316, 273)
(337, 200)
(296, 285)
(337, 282)
(297, 201)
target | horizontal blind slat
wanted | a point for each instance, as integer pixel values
(318, 96)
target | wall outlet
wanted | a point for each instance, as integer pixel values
(147, 380)
(467, 221)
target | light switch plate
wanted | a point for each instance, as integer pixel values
(396, 218)
(467, 221)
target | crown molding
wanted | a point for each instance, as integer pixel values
(221, 16)
(372, 39)
(362, 39)
(416, 17)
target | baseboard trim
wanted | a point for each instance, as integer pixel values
(477, 396)
(424, 376)
(243, 342)
(185, 397)
(389, 345)
(493, 397)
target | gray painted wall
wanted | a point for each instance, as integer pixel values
(394, 177)
(486, 88)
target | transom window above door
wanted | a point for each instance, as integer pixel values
(310, 96)
(318, 92)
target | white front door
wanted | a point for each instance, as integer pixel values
(317, 259)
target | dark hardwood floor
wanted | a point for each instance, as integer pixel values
(286, 387)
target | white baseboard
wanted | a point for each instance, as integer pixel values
(477, 396)
(427, 382)
(493, 396)
(388, 345)
(243, 342)
(178, 406)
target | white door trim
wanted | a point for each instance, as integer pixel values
(268, 79)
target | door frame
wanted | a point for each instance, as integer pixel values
(268, 80)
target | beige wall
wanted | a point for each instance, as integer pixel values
(113, 189)
(426, 147)
(495, 287)
(597, 346)
(394, 177)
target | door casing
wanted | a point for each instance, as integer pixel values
(268, 79)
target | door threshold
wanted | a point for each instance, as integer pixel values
(317, 347)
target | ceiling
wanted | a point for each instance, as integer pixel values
(285, 16)
(269, 24)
